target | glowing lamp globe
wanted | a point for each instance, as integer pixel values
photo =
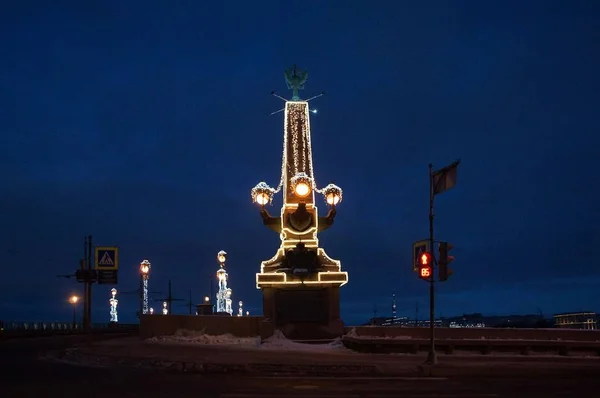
(262, 193)
(73, 299)
(221, 274)
(221, 256)
(145, 267)
(262, 199)
(333, 194)
(333, 199)
(302, 189)
(302, 184)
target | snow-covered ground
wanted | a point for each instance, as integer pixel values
(183, 336)
(279, 341)
(276, 342)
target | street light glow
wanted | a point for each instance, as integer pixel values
(145, 267)
(262, 198)
(302, 189)
(222, 256)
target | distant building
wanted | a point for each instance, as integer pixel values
(402, 322)
(478, 320)
(576, 320)
(475, 320)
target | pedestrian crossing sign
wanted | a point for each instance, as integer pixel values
(107, 258)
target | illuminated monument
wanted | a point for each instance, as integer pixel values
(300, 283)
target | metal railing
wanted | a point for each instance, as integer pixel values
(37, 328)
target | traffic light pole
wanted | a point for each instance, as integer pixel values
(89, 283)
(84, 267)
(431, 356)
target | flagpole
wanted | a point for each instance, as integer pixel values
(431, 356)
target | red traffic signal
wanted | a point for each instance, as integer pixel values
(419, 248)
(425, 265)
(425, 259)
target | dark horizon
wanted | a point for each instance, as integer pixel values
(146, 125)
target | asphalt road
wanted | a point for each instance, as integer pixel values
(23, 374)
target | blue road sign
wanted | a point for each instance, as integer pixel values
(107, 258)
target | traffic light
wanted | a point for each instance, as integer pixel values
(444, 260)
(419, 247)
(425, 265)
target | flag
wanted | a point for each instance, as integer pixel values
(445, 178)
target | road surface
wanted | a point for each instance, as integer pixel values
(23, 374)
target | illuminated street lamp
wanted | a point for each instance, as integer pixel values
(151, 310)
(222, 256)
(206, 299)
(145, 267)
(301, 184)
(74, 300)
(224, 293)
(144, 276)
(262, 194)
(332, 194)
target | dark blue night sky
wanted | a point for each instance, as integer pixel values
(145, 124)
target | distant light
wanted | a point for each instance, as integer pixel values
(314, 111)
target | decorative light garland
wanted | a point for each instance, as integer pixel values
(300, 165)
(297, 169)
(113, 301)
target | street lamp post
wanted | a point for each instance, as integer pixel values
(144, 276)
(113, 301)
(74, 300)
(224, 293)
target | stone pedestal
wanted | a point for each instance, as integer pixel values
(304, 313)
(204, 309)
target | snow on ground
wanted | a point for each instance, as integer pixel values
(276, 342)
(193, 337)
(279, 342)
